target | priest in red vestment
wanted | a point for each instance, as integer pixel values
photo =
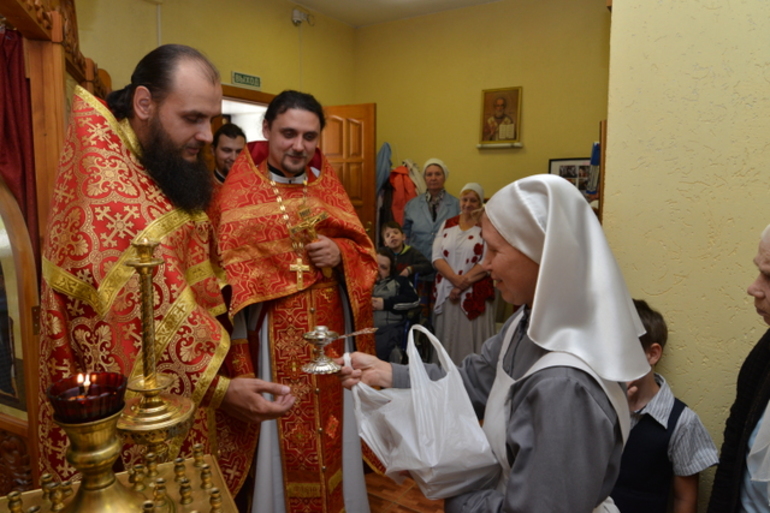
(132, 169)
(296, 256)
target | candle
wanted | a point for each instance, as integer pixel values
(89, 397)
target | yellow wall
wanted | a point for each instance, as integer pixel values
(688, 181)
(250, 36)
(426, 75)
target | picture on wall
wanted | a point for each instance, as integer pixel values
(576, 171)
(500, 115)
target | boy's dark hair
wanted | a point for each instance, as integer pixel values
(654, 325)
(387, 252)
(391, 224)
(156, 72)
(290, 99)
(228, 130)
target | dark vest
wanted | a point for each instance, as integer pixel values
(646, 473)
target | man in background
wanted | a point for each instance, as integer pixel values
(133, 169)
(743, 475)
(229, 141)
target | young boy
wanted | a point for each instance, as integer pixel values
(668, 443)
(393, 296)
(407, 260)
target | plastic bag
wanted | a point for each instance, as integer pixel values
(430, 429)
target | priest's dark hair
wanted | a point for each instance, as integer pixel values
(290, 99)
(156, 72)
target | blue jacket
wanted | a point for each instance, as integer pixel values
(419, 228)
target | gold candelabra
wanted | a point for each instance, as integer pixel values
(92, 418)
(152, 417)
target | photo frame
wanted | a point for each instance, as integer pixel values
(500, 116)
(577, 171)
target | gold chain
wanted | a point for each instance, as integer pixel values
(296, 242)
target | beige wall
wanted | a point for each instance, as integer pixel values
(250, 36)
(688, 181)
(426, 75)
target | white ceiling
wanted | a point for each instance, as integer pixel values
(359, 13)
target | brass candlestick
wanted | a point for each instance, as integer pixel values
(153, 417)
(93, 450)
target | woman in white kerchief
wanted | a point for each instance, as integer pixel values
(463, 293)
(548, 385)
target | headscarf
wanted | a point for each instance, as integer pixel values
(581, 304)
(473, 186)
(436, 162)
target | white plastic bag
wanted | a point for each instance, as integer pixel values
(430, 429)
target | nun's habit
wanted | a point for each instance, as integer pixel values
(548, 386)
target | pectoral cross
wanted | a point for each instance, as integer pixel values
(299, 267)
(308, 223)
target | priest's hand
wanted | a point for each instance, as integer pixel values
(324, 252)
(366, 368)
(244, 400)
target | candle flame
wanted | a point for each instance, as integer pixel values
(79, 379)
(87, 383)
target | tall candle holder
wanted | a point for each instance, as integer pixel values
(91, 409)
(152, 417)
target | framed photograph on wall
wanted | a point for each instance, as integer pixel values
(577, 171)
(500, 115)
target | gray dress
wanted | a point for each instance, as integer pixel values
(563, 437)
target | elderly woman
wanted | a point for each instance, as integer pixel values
(549, 385)
(463, 316)
(424, 214)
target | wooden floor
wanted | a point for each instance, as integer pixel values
(386, 496)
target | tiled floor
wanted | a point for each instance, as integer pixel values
(386, 496)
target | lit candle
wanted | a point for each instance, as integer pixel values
(81, 387)
(86, 384)
(83, 398)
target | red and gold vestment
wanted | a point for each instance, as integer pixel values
(103, 200)
(259, 250)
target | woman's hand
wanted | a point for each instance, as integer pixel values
(365, 368)
(378, 303)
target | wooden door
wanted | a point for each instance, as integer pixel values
(349, 141)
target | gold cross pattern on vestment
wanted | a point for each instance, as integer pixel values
(307, 224)
(299, 267)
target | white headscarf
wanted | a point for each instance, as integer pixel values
(436, 162)
(473, 186)
(581, 305)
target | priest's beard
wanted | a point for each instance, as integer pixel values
(188, 185)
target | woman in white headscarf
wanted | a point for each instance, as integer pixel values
(463, 313)
(549, 385)
(424, 214)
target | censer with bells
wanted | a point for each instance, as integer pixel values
(92, 411)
